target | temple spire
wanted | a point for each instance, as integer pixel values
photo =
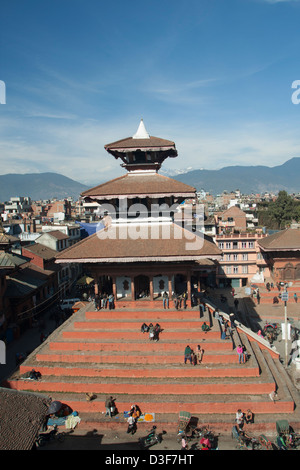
(141, 133)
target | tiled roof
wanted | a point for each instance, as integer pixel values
(141, 185)
(55, 234)
(234, 211)
(141, 243)
(10, 260)
(284, 240)
(41, 250)
(26, 281)
(131, 143)
(21, 417)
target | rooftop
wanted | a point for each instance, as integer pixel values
(138, 243)
(140, 185)
(284, 240)
(21, 417)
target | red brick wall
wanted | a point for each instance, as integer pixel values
(35, 259)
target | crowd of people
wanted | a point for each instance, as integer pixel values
(194, 357)
(103, 301)
(241, 418)
(133, 414)
(153, 330)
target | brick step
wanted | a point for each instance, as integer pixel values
(269, 299)
(140, 346)
(132, 335)
(195, 404)
(169, 411)
(164, 406)
(128, 359)
(125, 325)
(142, 372)
(264, 423)
(144, 315)
(159, 388)
(141, 304)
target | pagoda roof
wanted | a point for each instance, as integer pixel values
(131, 143)
(138, 243)
(284, 240)
(141, 140)
(140, 184)
(5, 238)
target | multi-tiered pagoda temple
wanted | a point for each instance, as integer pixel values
(141, 252)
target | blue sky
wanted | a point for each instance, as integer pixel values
(215, 76)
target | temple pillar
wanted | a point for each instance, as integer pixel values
(132, 289)
(170, 287)
(114, 287)
(96, 286)
(189, 288)
(151, 288)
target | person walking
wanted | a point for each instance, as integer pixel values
(295, 297)
(131, 425)
(109, 406)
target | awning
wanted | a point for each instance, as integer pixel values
(84, 280)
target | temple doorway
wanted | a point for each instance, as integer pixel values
(180, 284)
(142, 286)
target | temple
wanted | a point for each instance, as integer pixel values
(140, 251)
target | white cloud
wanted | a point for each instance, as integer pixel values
(281, 1)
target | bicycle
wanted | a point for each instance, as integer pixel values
(196, 433)
(44, 438)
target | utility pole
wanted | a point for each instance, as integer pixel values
(285, 298)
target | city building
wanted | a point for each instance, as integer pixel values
(281, 252)
(242, 260)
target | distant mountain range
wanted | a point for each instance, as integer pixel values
(248, 179)
(39, 186)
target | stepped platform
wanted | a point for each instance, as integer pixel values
(104, 353)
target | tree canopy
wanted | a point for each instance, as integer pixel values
(281, 212)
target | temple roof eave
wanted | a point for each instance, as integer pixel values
(138, 259)
(140, 195)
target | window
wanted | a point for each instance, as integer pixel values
(228, 269)
(235, 269)
(228, 257)
(251, 244)
(245, 256)
(244, 245)
(235, 257)
(228, 245)
(245, 269)
(221, 245)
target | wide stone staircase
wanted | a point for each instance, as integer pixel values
(105, 353)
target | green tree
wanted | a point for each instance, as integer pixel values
(283, 210)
